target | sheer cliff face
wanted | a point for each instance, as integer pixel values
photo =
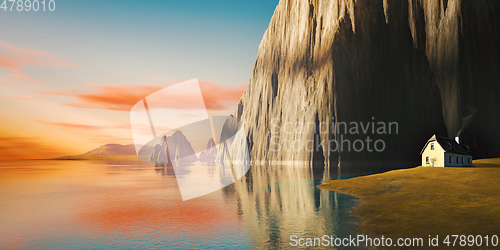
(417, 63)
(462, 46)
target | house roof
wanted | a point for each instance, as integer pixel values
(448, 145)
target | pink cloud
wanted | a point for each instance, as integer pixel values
(15, 63)
(124, 97)
(52, 92)
(84, 126)
(20, 57)
(9, 63)
(112, 97)
(21, 98)
(27, 78)
(5, 82)
(110, 138)
(218, 97)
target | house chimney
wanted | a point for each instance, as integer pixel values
(457, 139)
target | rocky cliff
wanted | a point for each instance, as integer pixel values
(463, 48)
(179, 149)
(209, 154)
(325, 66)
(233, 146)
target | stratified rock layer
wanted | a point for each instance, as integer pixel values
(422, 64)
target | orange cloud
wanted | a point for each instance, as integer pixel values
(23, 57)
(112, 139)
(218, 97)
(22, 98)
(52, 92)
(113, 97)
(20, 147)
(123, 98)
(16, 78)
(5, 82)
(27, 78)
(84, 126)
(14, 63)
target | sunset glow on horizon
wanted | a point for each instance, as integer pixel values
(69, 78)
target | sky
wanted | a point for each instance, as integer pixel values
(70, 77)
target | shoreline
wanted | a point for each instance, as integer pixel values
(423, 201)
(96, 158)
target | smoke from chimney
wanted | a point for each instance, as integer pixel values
(466, 120)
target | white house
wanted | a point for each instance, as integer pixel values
(444, 152)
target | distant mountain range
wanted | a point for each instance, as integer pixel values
(180, 148)
(107, 152)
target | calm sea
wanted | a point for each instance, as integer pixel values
(85, 204)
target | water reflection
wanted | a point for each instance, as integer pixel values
(164, 169)
(275, 202)
(83, 204)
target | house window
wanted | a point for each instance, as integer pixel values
(432, 146)
(469, 160)
(457, 159)
(427, 160)
(462, 160)
(450, 159)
